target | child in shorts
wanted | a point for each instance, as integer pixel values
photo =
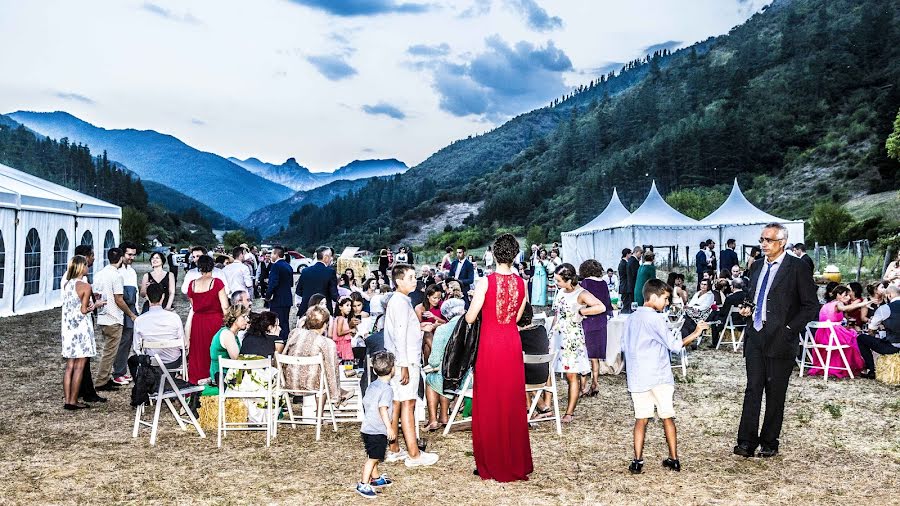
(648, 343)
(377, 429)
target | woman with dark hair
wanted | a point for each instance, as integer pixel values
(829, 290)
(263, 335)
(833, 312)
(856, 316)
(384, 263)
(540, 265)
(679, 294)
(755, 253)
(157, 276)
(343, 329)
(571, 305)
(343, 286)
(646, 272)
(591, 273)
(447, 261)
(499, 421)
(892, 273)
(429, 311)
(209, 303)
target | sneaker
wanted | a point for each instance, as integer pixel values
(636, 466)
(396, 456)
(365, 490)
(672, 464)
(120, 380)
(424, 459)
(128, 377)
(381, 481)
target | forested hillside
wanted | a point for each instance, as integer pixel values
(796, 103)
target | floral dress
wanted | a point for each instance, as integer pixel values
(77, 328)
(569, 334)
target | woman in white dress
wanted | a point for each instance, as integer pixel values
(77, 329)
(571, 305)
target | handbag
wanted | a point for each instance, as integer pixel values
(460, 353)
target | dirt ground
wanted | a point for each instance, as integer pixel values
(840, 445)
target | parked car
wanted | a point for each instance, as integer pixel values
(298, 261)
(181, 256)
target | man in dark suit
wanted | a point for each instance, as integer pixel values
(784, 293)
(800, 251)
(463, 271)
(278, 293)
(728, 257)
(319, 277)
(634, 263)
(626, 296)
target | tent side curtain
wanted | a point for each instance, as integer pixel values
(7, 260)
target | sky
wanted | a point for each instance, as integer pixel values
(328, 81)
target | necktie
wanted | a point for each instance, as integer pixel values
(757, 315)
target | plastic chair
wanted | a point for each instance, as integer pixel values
(320, 394)
(225, 393)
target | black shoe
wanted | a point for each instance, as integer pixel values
(672, 464)
(73, 407)
(109, 386)
(867, 375)
(636, 466)
(767, 452)
(743, 450)
(475, 472)
(94, 398)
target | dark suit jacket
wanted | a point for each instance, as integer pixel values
(466, 274)
(700, 260)
(728, 259)
(317, 278)
(623, 276)
(809, 261)
(281, 280)
(633, 266)
(731, 301)
(791, 304)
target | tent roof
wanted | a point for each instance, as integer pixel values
(655, 212)
(20, 190)
(737, 210)
(614, 213)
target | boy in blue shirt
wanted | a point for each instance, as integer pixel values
(377, 429)
(648, 343)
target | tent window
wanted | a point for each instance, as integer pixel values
(60, 257)
(32, 262)
(87, 239)
(2, 263)
(109, 242)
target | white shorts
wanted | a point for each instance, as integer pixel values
(409, 391)
(659, 397)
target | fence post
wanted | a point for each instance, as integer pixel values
(859, 259)
(887, 260)
(817, 253)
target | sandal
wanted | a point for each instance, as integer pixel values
(568, 418)
(433, 426)
(543, 411)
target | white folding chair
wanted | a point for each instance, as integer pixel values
(461, 393)
(167, 391)
(225, 393)
(679, 359)
(320, 394)
(810, 346)
(160, 341)
(350, 410)
(735, 331)
(549, 386)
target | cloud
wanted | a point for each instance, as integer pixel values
(348, 8)
(74, 97)
(669, 44)
(198, 122)
(478, 8)
(385, 109)
(167, 14)
(333, 67)
(535, 15)
(503, 80)
(430, 51)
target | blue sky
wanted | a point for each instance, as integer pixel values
(328, 81)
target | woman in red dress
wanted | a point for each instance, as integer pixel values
(209, 302)
(499, 416)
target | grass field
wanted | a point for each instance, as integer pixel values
(840, 445)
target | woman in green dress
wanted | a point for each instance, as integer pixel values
(226, 343)
(539, 279)
(646, 272)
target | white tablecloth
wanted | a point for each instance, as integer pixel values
(614, 362)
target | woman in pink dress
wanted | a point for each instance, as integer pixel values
(834, 312)
(499, 415)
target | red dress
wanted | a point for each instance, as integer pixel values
(499, 415)
(207, 320)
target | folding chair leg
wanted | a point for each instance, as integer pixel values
(155, 427)
(220, 422)
(320, 411)
(330, 410)
(556, 408)
(846, 362)
(191, 417)
(175, 414)
(456, 405)
(137, 420)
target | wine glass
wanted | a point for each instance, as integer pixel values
(634, 306)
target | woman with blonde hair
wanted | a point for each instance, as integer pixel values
(309, 341)
(225, 343)
(78, 344)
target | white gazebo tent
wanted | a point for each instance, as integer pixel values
(740, 220)
(40, 223)
(578, 245)
(654, 222)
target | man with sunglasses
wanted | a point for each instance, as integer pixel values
(784, 301)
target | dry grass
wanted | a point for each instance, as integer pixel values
(841, 444)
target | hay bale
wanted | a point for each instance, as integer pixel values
(887, 369)
(235, 411)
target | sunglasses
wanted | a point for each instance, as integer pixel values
(768, 241)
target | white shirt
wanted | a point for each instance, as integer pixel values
(237, 278)
(375, 304)
(459, 266)
(702, 300)
(881, 314)
(108, 283)
(158, 324)
(193, 274)
(129, 276)
(762, 274)
(402, 334)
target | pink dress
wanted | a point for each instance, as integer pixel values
(829, 313)
(344, 343)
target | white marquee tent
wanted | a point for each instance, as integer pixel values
(40, 223)
(578, 245)
(740, 220)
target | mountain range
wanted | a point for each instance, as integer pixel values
(299, 178)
